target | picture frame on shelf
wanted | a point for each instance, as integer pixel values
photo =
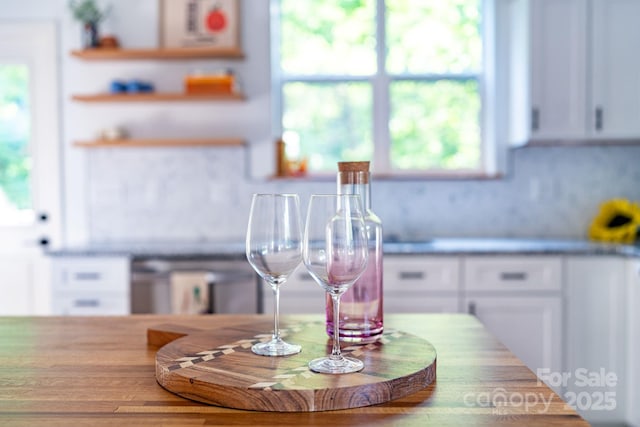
(200, 23)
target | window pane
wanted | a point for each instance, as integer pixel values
(435, 125)
(433, 36)
(15, 161)
(331, 121)
(328, 37)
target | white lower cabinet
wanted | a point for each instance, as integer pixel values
(412, 284)
(91, 285)
(530, 326)
(421, 284)
(596, 341)
(519, 300)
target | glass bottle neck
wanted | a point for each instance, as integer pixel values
(355, 183)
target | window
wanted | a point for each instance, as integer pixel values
(399, 82)
(15, 159)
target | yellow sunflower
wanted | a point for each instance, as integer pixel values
(617, 221)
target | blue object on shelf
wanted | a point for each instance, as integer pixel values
(118, 86)
(138, 86)
(146, 87)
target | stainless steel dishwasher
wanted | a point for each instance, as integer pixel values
(225, 286)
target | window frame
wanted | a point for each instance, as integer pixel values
(381, 81)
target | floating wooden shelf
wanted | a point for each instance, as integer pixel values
(158, 97)
(160, 53)
(177, 142)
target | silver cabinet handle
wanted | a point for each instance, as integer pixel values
(513, 276)
(599, 119)
(535, 119)
(86, 303)
(87, 275)
(411, 275)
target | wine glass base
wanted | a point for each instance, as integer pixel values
(275, 348)
(345, 365)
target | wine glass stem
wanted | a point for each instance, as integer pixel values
(276, 312)
(335, 353)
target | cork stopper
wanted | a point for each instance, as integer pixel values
(353, 166)
(353, 172)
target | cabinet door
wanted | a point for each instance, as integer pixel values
(79, 274)
(616, 68)
(558, 69)
(530, 326)
(421, 284)
(513, 274)
(91, 304)
(633, 305)
(419, 273)
(596, 335)
(91, 285)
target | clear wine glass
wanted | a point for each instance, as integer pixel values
(335, 253)
(274, 250)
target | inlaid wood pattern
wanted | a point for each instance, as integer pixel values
(100, 371)
(218, 367)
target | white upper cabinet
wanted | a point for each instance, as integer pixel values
(615, 67)
(558, 69)
(583, 79)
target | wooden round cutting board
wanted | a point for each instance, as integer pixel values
(217, 367)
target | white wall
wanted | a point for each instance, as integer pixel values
(195, 194)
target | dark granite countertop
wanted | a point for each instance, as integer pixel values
(450, 246)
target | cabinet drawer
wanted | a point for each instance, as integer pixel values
(91, 304)
(420, 273)
(96, 274)
(513, 274)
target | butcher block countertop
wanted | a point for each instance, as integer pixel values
(98, 371)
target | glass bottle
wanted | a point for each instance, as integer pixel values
(361, 307)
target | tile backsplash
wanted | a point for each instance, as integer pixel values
(203, 194)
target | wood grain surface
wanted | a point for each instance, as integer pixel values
(217, 366)
(100, 371)
(162, 53)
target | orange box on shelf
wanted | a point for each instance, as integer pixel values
(212, 83)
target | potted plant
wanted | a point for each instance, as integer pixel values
(90, 15)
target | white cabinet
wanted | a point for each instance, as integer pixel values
(584, 73)
(558, 68)
(519, 300)
(421, 284)
(411, 284)
(596, 335)
(615, 66)
(91, 285)
(633, 353)
(530, 326)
